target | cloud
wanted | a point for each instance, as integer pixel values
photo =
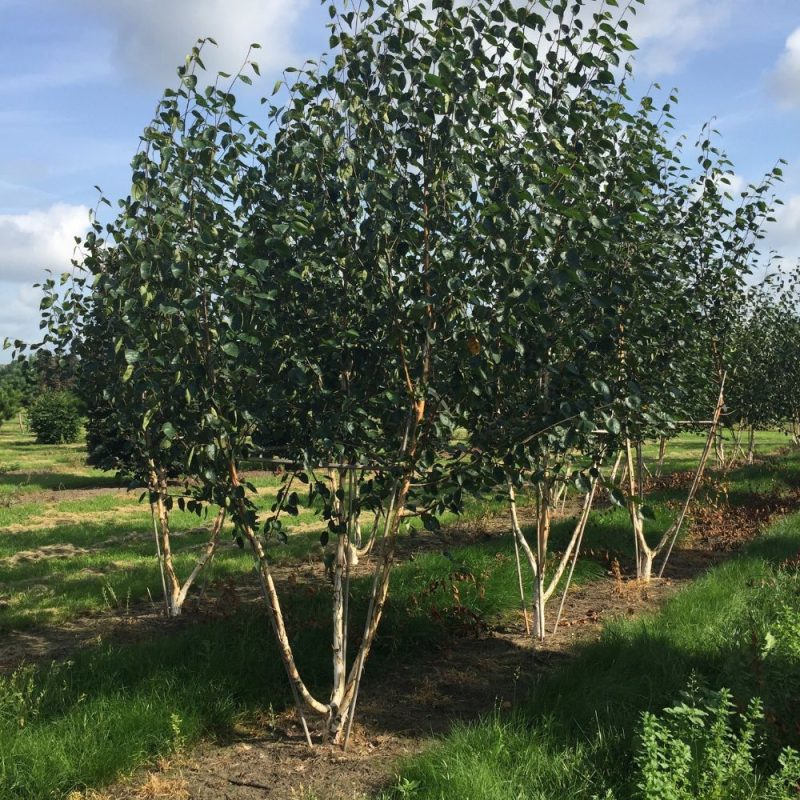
(785, 79)
(19, 315)
(784, 234)
(734, 186)
(38, 240)
(668, 33)
(153, 37)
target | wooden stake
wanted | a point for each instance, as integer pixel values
(676, 528)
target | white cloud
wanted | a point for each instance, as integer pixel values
(784, 234)
(786, 77)
(152, 37)
(38, 240)
(669, 31)
(19, 316)
(734, 186)
(31, 243)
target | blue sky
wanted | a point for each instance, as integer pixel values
(80, 78)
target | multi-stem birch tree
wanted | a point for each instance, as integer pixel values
(673, 345)
(146, 309)
(388, 242)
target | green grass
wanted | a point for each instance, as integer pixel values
(683, 452)
(43, 504)
(87, 721)
(114, 707)
(573, 738)
(112, 531)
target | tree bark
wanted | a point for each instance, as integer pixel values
(274, 608)
(173, 585)
(644, 556)
(662, 451)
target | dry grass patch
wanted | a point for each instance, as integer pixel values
(158, 787)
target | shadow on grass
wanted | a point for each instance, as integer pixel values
(110, 708)
(58, 481)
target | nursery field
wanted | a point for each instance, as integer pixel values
(102, 696)
(449, 385)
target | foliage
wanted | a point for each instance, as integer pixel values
(55, 418)
(702, 748)
(10, 402)
(579, 716)
(16, 381)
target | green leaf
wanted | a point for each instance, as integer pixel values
(430, 522)
(434, 80)
(616, 497)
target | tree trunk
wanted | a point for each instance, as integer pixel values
(751, 441)
(644, 555)
(662, 451)
(521, 586)
(543, 522)
(173, 585)
(338, 640)
(175, 594)
(302, 695)
(736, 442)
(645, 565)
(208, 554)
(616, 466)
(719, 449)
(357, 516)
(542, 590)
(580, 529)
(341, 718)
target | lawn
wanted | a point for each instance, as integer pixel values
(76, 545)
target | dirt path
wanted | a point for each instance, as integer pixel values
(399, 714)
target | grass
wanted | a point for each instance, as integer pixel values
(574, 737)
(87, 721)
(683, 452)
(116, 706)
(105, 534)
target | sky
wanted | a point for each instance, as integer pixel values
(79, 80)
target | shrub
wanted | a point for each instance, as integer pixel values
(779, 676)
(54, 418)
(9, 403)
(702, 748)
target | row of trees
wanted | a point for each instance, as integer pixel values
(765, 363)
(42, 372)
(459, 259)
(41, 394)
